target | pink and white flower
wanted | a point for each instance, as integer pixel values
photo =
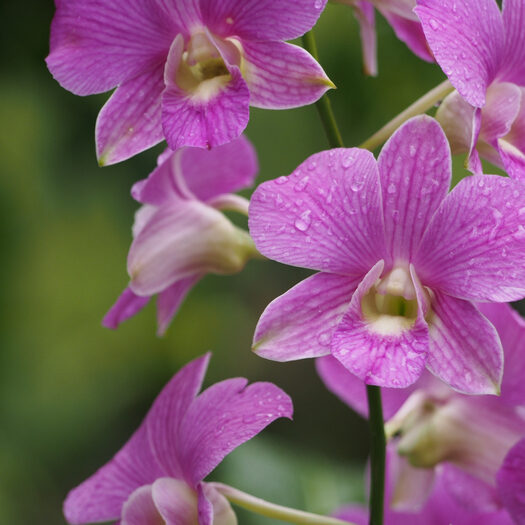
(185, 70)
(157, 476)
(401, 262)
(482, 51)
(473, 447)
(180, 234)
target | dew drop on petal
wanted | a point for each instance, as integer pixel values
(347, 160)
(302, 223)
(412, 150)
(281, 180)
(251, 418)
(318, 4)
(324, 338)
(391, 188)
(433, 24)
(301, 184)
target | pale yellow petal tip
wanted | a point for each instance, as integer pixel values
(327, 82)
(497, 389)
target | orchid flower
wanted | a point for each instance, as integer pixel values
(439, 509)
(482, 52)
(180, 234)
(185, 70)
(473, 445)
(400, 262)
(157, 476)
(399, 14)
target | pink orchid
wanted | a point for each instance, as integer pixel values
(400, 262)
(473, 445)
(185, 70)
(439, 509)
(180, 234)
(482, 51)
(157, 475)
(399, 14)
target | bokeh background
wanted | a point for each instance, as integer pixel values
(71, 392)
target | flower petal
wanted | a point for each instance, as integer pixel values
(415, 171)
(223, 417)
(394, 359)
(130, 121)
(500, 111)
(511, 330)
(168, 411)
(261, 19)
(511, 482)
(184, 240)
(410, 32)
(126, 306)
(176, 502)
(170, 300)
(475, 245)
(224, 169)
(468, 491)
(215, 115)
(513, 159)
(325, 216)
(97, 45)
(514, 21)
(365, 13)
(352, 391)
(101, 497)
(456, 115)
(465, 350)
(281, 75)
(140, 509)
(214, 508)
(301, 322)
(467, 40)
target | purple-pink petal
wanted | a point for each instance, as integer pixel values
(465, 350)
(513, 68)
(127, 305)
(214, 508)
(130, 121)
(365, 13)
(224, 169)
(175, 501)
(513, 159)
(351, 390)
(474, 246)
(169, 301)
(300, 323)
(467, 40)
(395, 359)
(410, 32)
(223, 417)
(261, 19)
(511, 482)
(206, 121)
(415, 171)
(325, 216)
(97, 45)
(511, 330)
(281, 75)
(100, 497)
(165, 416)
(140, 509)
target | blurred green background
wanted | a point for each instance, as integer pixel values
(71, 392)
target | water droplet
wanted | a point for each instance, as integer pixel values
(281, 180)
(312, 165)
(347, 160)
(391, 188)
(318, 4)
(324, 338)
(301, 184)
(251, 418)
(412, 150)
(302, 223)
(433, 24)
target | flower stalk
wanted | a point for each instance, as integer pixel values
(377, 454)
(422, 105)
(271, 510)
(375, 409)
(323, 105)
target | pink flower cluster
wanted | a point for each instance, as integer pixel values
(412, 277)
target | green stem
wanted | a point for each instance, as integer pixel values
(271, 510)
(377, 454)
(419, 106)
(324, 107)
